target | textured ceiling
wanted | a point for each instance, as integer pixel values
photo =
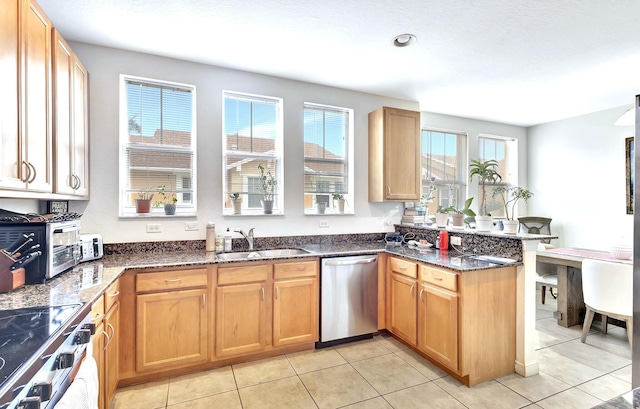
(521, 62)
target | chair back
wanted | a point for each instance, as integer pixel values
(535, 225)
(608, 286)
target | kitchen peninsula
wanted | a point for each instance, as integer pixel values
(157, 274)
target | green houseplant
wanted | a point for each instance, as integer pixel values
(338, 199)
(457, 214)
(510, 197)
(143, 201)
(169, 200)
(267, 186)
(486, 173)
(236, 202)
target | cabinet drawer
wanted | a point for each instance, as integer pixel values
(171, 280)
(97, 311)
(243, 274)
(438, 277)
(297, 269)
(403, 267)
(111, 295)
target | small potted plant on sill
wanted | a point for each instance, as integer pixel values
(510, 196)
(338, 202)
(143, 202)
(236, 202)
(457, 215)
(267, 186)
(169, 201)
(486, 174)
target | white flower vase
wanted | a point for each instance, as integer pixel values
(510, 226)
(484, 223)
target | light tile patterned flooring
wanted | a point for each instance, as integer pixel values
(383, 373)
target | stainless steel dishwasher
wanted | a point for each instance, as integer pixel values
(348, 299)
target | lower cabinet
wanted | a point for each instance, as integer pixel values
(295, 303)
(112, 328)
(463, 321)
(171, 319)
(105, 314)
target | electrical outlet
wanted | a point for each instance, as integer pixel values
(191, 226)
(456, 241)
(154, 228)
(324, 223)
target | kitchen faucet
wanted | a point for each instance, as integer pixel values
(249, 236)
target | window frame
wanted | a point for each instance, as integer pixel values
(510, 178)
(311, 198)
(126, 210)
(278, 156)
(442, 186)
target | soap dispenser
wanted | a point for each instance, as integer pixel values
(227, 240)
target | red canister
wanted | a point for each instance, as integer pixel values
(444, 240)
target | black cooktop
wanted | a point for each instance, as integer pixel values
(23, 331)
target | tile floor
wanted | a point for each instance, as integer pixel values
(383, 373)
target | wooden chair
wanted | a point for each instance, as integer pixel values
(607, 288)
(546, 274)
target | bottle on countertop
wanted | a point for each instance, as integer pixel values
(227, 240)
(211, 237)
(444, 240)
(219, 243)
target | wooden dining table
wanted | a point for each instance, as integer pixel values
(568, 262)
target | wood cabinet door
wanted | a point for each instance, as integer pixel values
(402, 154)
(171, 329)
(36, 98)
(438, 324)
(111, 363)
(99, 341)
(295, 311)
(11, 173)
(402, 297)
(241, 319)
(80, 127)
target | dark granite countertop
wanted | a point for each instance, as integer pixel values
(85, 282)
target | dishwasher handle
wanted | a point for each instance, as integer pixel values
(350, 262)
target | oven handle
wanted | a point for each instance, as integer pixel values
(350, 262)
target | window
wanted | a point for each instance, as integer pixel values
(158, 144)
(328, 153)
(503, 151)
(252, 136)
(444, 159)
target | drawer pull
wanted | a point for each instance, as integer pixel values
(436, 278)
(173, 280)
(402, 268)
(117, 293)
(98, 317)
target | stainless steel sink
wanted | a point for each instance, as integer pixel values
(253, 255)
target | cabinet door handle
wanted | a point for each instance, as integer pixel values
(113, 330)
(389, 190)
(436, 277)
(420, 295)
(204, 300)
(35, 172)
(411, 290)
(262, 290)
(76, 182)
(173, 280)
(28, 170)
(108, 340)
(277, 292)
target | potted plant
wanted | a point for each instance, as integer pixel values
(441, 217)
(267, 186)
(143, 202)
(486, 173)
(168, 199)
(510, 196)
(338, 200)
(457, 215)
(236, 202)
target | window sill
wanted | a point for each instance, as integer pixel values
(155, 215)
(252, 214)
(329, 214)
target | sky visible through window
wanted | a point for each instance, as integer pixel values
(326, 129)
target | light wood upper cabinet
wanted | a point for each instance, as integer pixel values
(25, 102)
(295, 303)
(70, 120)
(394, 155)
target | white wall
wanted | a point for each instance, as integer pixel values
(577, 171)
(101, 212)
